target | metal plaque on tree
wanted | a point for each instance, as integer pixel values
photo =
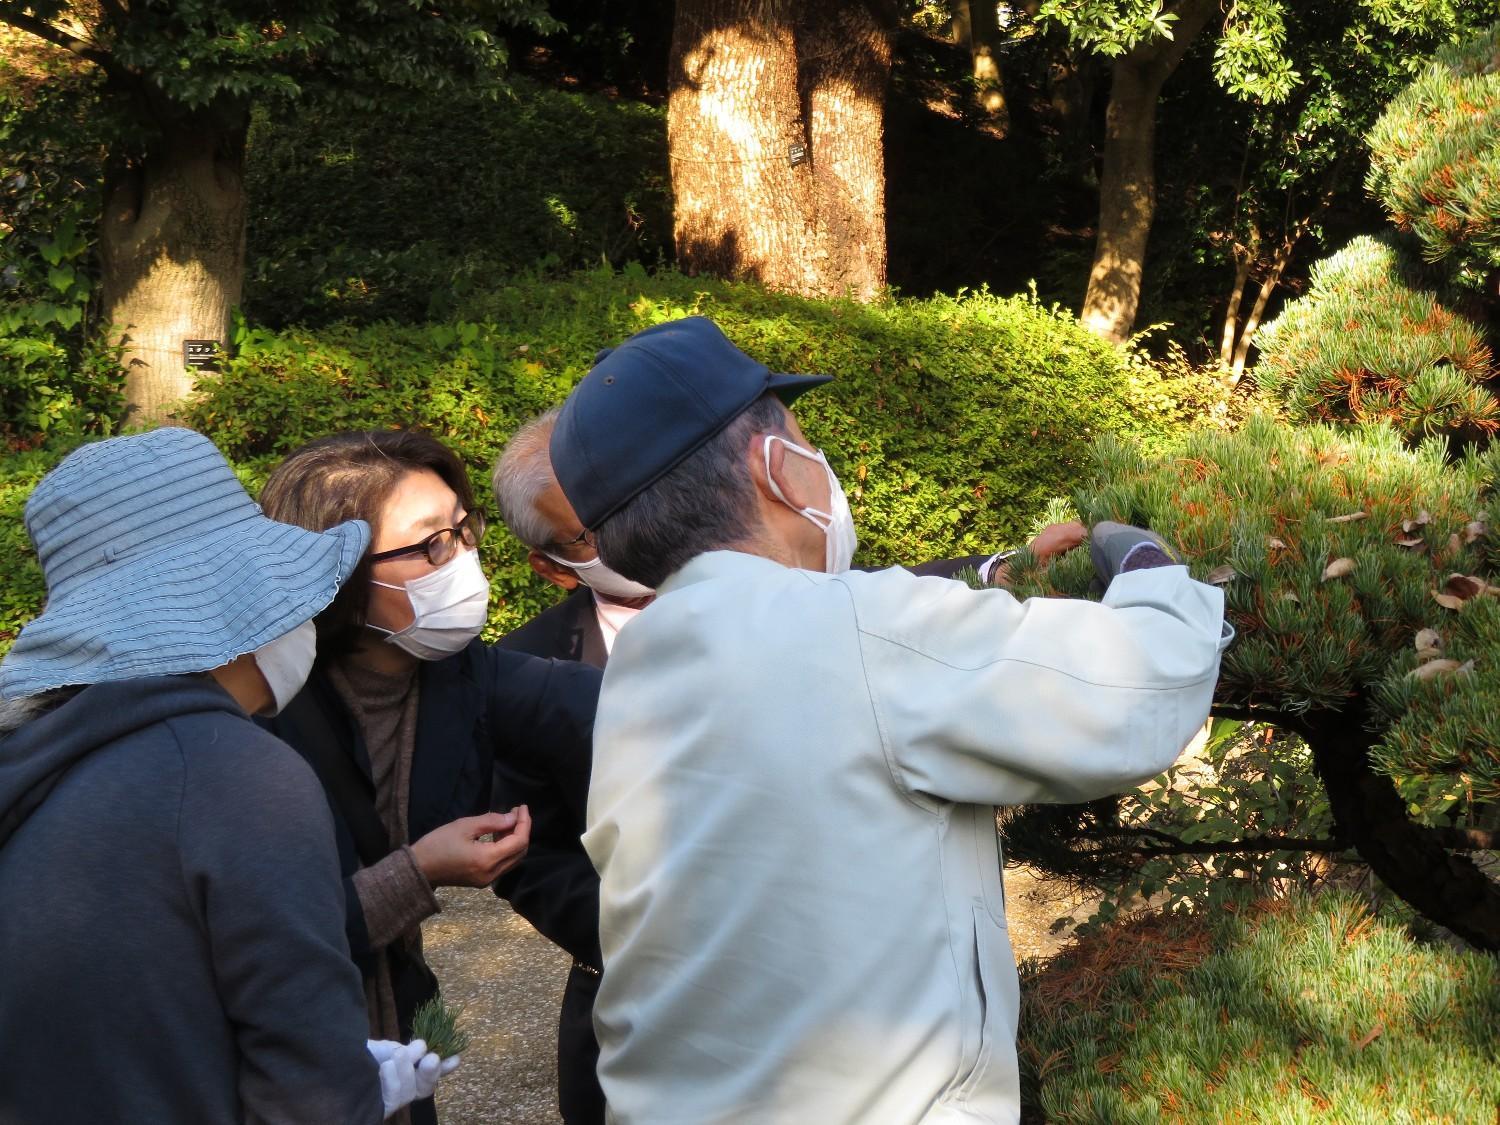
(201, 355)
(796, 153)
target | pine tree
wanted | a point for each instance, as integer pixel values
(1359, 572)
(1395, 327)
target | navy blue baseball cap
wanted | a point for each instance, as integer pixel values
(650, 403)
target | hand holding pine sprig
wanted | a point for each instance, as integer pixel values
(437, 1023)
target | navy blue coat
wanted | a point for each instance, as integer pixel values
(170, 942)
(477, 711)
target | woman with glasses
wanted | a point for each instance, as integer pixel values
(407, 712)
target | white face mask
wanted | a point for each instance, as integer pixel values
(599, 578)
(837, 525)
(286, 663)
(450, 606)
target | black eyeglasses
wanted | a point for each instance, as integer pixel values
(582, 539)
(442, 545)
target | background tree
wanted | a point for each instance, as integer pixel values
(179, 79)
(775, 130)
(1146, 42)
(1402, 328)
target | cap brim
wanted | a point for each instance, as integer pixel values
(788, 387)
(184, 607)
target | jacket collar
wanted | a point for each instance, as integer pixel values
(715, 565)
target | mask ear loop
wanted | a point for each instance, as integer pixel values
(812, 514)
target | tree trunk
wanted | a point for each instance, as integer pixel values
(1127, 186)
(778, 168)
(976, 26)
(1369, 813)
(172, 251)
(1243, 257)
(847, 53)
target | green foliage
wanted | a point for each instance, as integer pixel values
(1246, 782)
(1435, 157)
(21, 588)
(1335, 551)
(1299, 1011)
(51, 378)
(1109, 27)
(1369, 342)
(344, 222)
(437, 1024)
(1250, 59)
(199, 54)
(951, 422)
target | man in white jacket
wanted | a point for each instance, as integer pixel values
(795, 765)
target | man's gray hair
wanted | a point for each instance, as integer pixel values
(704, 504)
(522, 473)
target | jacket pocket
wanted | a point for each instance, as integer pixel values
(990, 1092)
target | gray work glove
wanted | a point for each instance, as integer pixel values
(1110, 544)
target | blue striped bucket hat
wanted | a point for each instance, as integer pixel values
(157, 563)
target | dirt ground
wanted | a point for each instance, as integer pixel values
(509, 980)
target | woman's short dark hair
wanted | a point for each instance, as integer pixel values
(347, 477)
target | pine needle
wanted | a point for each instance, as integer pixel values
(438, 1025)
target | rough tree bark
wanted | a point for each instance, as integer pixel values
(1127, 184)
(774, 126)
(172, 252)
(846, 64)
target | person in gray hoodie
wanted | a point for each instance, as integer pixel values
(172, 937)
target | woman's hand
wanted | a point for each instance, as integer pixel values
(455, 855)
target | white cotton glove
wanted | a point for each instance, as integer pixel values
(408, 1071)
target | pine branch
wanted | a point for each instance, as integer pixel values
(1248, 844)
(1283, 719)
(1169, 845)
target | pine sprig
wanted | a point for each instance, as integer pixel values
(437, 1023)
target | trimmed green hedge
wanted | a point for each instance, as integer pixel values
(1292, 1011)
(951, 422)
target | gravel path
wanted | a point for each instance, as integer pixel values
(509, 980)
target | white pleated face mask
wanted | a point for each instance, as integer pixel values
(286, 663)
(598, 577)
(450, 607)
(837, 525)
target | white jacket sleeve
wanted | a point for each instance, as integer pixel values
(987, 700)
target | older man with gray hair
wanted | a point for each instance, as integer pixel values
(584, 625)
(795, 765)
(555, 886)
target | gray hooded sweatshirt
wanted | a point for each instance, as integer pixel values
(172, 921)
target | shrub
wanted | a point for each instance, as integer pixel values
(1376, 336)
(1370, 342)
(1435, 157)
(1357, 574)
(345, 222)
(951, 423)
(53, 379)
(1300, 1010)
